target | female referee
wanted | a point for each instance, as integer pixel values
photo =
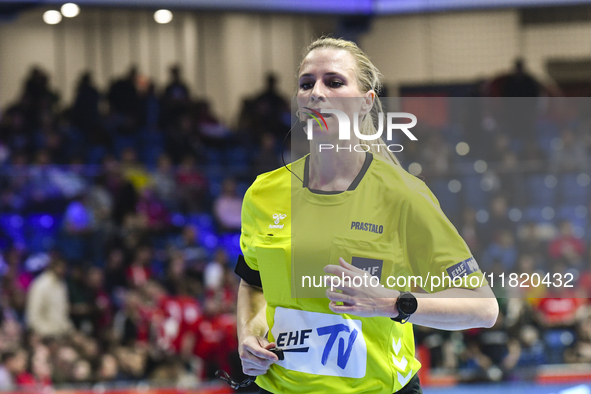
(358, 211)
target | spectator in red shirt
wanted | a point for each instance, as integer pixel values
(192, 185)
(561, 307)
(16, 275)
(178, 318)
(559, 311)
(41, 367)
(102, 305)
(13, 371)
(566, 244)
(153, 211)
(216, 336)
(583, 286)
(139, 271)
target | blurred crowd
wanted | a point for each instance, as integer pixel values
(512, 172)
(119, 226)
(120, 219)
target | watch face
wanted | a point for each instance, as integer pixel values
(408, 303)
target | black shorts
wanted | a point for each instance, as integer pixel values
(413, 387)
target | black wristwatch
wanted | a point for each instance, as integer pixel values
(407, 305)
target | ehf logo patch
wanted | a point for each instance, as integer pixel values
(463, 268)
(371, 266)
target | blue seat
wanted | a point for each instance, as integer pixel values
(95, 154)
(557, 341)
(546, 131)
(238, 170)
(238, 155)
(203, 221)
(14, 226)
(474, 196)
(242, 187)
(449, 201)
(121, 142)
(151, 137)
(231, 244)
(213, 156)
(209, 240)
(571, 191)
(149, 155)
(215, 172)
(538, 193)
(577, 215)
(177, 219)
(535, 214)
(42, 232)
(452, 134)
(215, 188)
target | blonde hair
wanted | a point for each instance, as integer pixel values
(368, 78)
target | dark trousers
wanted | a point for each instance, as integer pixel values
(412, 387)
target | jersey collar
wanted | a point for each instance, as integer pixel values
(352, 186)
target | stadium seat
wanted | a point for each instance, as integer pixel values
(177, 219)
(203, 221)
(213, 156)
(14, 226)
(452, 135)
(231, 244)
(149, 155)
(209, 240)
(578, 215)
(238, 170)
(546, 132)
(238, 155)
(475, 197)
(571, 192)
(95, 154)
(121, 142)
(151, 137)
(242, 187)
(557, 341)
(449, 201)
(215, 189)
(215, 172)
(42, 231)
(535, 214)
(540, 194)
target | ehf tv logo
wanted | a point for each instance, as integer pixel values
(345, 128)
(331, 333)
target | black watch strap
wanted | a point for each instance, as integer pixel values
(406, 305)
(402, 317)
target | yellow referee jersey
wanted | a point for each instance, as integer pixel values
(389, 224)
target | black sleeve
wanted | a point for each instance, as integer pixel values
(249, 275)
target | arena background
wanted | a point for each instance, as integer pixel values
(126, 146)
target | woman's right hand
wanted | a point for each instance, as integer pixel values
(256, 359)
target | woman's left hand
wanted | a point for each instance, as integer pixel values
(363, 301)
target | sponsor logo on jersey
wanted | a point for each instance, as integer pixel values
(278, 217)
(463, 268)
(371, 266)
(363, 226)
(320, 343)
